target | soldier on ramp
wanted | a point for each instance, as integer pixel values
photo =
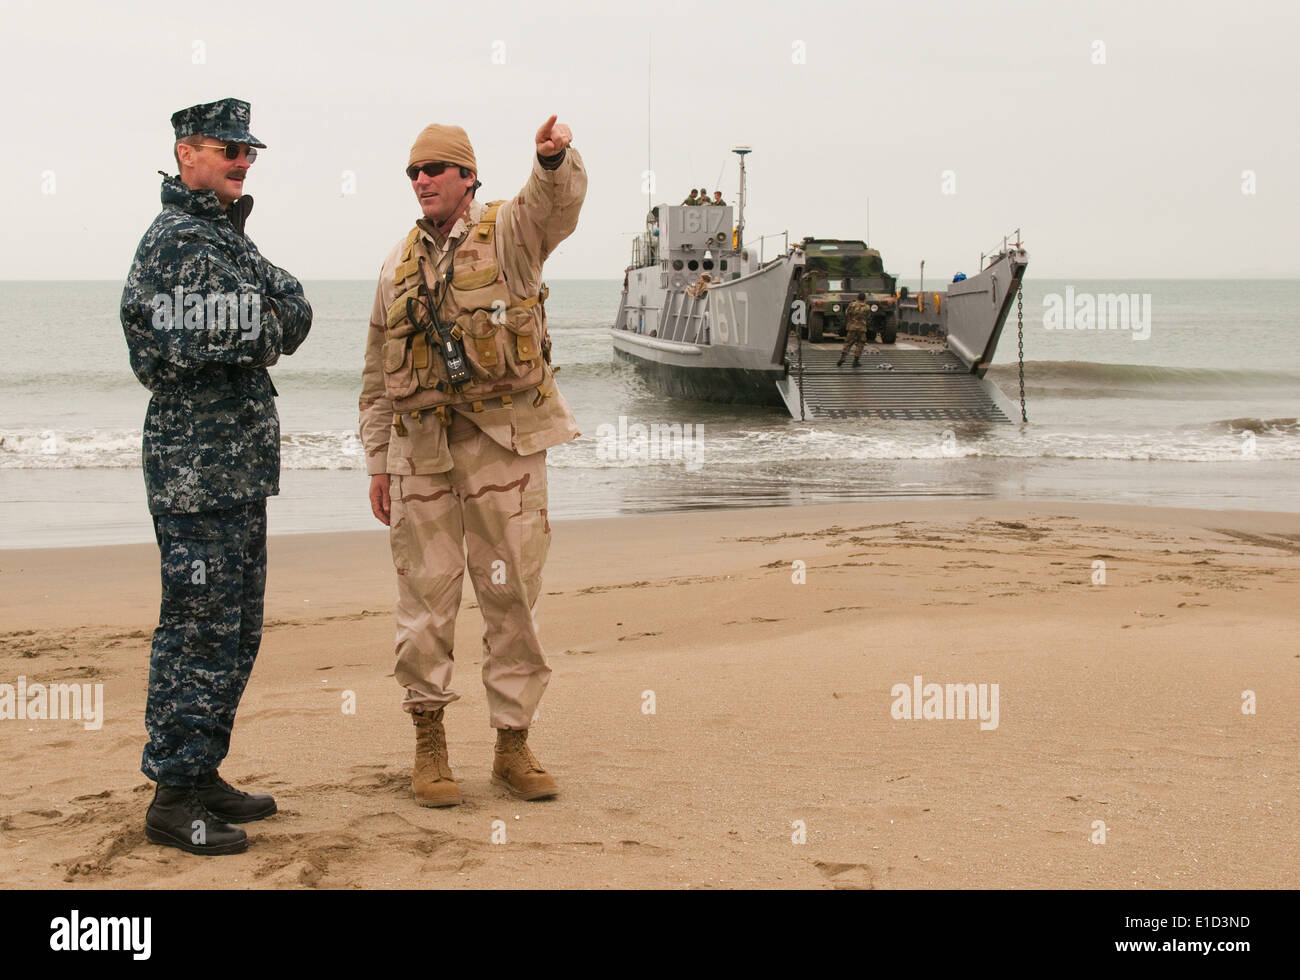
(855, 329)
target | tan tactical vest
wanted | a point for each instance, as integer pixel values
(507, 347)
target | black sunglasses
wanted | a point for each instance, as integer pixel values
(428, 169)
(233, 150)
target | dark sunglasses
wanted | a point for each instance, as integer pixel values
(428, 169)
(232, 150)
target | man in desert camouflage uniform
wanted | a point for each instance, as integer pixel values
(855, 329)
(204, 315)
(458, 463)
(693, 198)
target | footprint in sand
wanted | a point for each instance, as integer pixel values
(123, 844)
(380, 778)
(304, 859)
(32, 819)
(847, 875)
(640, 847)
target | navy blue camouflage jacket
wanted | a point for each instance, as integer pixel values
(204, 315)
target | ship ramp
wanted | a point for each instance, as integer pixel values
(891, 382)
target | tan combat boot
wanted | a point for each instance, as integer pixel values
(432, 782)
(517, 769)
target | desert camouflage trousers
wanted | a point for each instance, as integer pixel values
(209, 630)
(854, 336)
(492, 505)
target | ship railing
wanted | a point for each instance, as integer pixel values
(643, 252)
(761, 241)
(997, 250)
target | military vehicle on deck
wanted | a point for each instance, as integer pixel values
(704, 315)
(837, 270)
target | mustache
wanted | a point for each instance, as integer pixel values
(236, 174)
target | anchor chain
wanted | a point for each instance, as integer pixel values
(798, 339)
(1020, 339)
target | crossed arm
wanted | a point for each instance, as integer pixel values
(203, 308)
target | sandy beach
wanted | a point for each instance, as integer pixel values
(772, 758)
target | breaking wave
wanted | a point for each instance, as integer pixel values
(1217, 441)
(1091, 379)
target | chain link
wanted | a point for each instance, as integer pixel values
(798, 338)
(1020, 337)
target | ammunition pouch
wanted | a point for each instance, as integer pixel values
(507, 347)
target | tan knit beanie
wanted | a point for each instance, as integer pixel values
(449, 144)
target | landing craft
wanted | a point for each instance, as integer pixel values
(705, 315)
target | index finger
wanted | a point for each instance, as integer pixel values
(545, 131)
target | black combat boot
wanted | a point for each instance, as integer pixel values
(230, 804)
(855, 361)
(840, 362)
(178, 818)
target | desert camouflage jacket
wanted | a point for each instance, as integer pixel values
(528, 228)
(204, 315)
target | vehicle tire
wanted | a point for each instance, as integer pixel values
(889, 332)
(816, 323)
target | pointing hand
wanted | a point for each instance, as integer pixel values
(553, 137)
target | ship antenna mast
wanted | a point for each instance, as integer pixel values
(740, 151)
(649, 170)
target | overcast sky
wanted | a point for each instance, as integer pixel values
(1115, 135)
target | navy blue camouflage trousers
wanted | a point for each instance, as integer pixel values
(209, 629)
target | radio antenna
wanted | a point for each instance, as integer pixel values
(649, 86)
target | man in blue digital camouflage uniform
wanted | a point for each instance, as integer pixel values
(204, 315)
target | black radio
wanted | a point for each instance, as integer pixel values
(423, 312)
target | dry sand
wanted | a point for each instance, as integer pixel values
(1119, 703)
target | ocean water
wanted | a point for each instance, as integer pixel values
(1200, 413)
